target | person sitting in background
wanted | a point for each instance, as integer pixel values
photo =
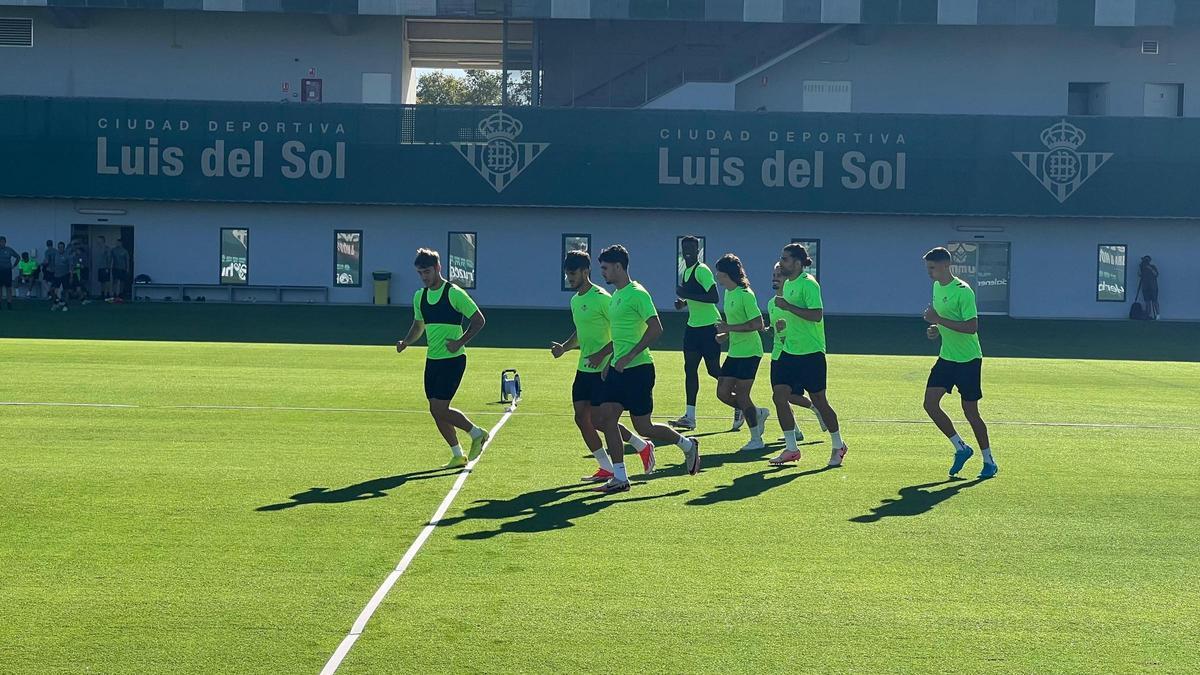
(27, 274)
(7, 258)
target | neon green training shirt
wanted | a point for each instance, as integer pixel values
(628, 312)
(956, 301)
(701, 314)
(741, 306)
(436, 334)
(803, 337)
(590, 314)
(775, 314)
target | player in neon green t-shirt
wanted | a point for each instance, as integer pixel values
(629, 377)
(802, 364)
(778, 329)
(593, 339)
(439, 308)
(954, 319)
(742, 330)
(698, 292)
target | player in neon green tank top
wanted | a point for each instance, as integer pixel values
(593, 339)
(802, 365)
(954, 319)
(698, 292)
(741, 329)
(445, 360)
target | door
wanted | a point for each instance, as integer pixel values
(985, 266)
(90, 235)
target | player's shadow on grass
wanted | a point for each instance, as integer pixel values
(753, 485)
(371, 489)
(541, 510)
(916, 499)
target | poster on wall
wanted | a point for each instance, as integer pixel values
(1110, 282)
(575, 242)
(235, 256)
(347, 257)
(461, 252)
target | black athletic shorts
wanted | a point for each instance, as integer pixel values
(587, 387)
(6, 279)
(632, 389)
(702, 339)
(806, 372)
(442, 377)
(104, 275)
(776, 373)
(740, 367)
(77, 280)
(121, 276)
(966, 376)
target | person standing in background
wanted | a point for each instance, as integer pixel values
(48, 257)
(8, 258)
(102, 259)
(1148, 273)
(120, 261)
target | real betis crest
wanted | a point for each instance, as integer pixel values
(501, 158)
(1062, 169)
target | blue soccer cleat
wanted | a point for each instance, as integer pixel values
(989, 470)
(960, 459)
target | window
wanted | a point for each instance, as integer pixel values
(826, 96)
(347, 257)
(1163, 100)
(1110, 273)
(813, 246)
(461, 250)
(679, 264)
(1087, 98)
(574, 242)
(235, 256)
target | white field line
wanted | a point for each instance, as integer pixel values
(360, 624)
(481, 413)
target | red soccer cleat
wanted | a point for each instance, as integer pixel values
(601, 476)
(648, 461)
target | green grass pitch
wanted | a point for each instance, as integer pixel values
(239, 510)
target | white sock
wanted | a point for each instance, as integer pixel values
(603, 459)
(637, 442)
(691, 412)
(619, 473)
(835, 437)
(789, 436)
(475, 432)
(684, 443)
(958, 442)
(457, 450)
(987, 456)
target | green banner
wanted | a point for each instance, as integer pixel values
(802, 162)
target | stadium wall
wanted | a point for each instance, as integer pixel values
(993, 70)
(202, 55)
(867, 264)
